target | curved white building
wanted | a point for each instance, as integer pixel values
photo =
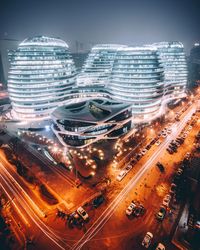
(137, 78)
(175, 68)
(98, 66)
(80, 124)
(41, 75)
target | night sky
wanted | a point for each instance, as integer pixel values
(99, 21)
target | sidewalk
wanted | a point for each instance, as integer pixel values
(181, 229)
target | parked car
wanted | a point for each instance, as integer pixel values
(166, 200)
(158, 143)
(128, 168)
(147, 239)
(160, 166)
(121, 175)
(164, 135)
(160, 247)
(82, 213)
(139, 210)
(161, 214)
(173, 188)
(98, 201)
(131, 207)
(143, 152)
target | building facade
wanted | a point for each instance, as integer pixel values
(98, 65)
(80, 124)
(137, 79)
(175, 68)
(41, 75)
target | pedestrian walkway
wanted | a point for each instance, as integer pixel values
(181, 229)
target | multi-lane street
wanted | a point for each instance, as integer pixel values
(150, 163)
(107, 223)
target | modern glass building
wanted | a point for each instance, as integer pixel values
(41, 75)
(175, 68)
(137, 79)
(98, 66)
(80, 124)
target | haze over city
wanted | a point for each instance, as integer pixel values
(91, 21)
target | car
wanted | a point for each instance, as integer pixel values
(148, 146)
(131, 207)
(143, 152)
(139, 210)
(121, 175)
(158, 143)
(164, 135)
(133, 161)
(179, 171)
(160, 166)
(160, 246)
(170, 150)
(138, 156)
(173, 188)
(82, 213)
(161, 214)
(166, 200)
(128, 168)
(98, 201)
(169, 130)
(147, 239)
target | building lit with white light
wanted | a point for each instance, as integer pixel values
(175, 68)
(41, 75)
(80, 124)
(98, 66)
(137, 79)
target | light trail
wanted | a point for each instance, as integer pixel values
(30, 213)
(109, 211)
(37, 209)
(16, 207)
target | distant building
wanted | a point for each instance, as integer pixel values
(5, 46)
(80, 124)
(41, 75)
(194, 65)
(175, 68)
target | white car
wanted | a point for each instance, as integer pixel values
(128, 168)
(147, 239)
(130, 208)
(166, 200)
(143, 152)
(82, 213)
(158, 143)
(121, 175)
(160, 247)
(164, 135)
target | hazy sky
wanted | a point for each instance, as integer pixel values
(102, 21)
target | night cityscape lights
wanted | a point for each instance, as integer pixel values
(99, 144)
